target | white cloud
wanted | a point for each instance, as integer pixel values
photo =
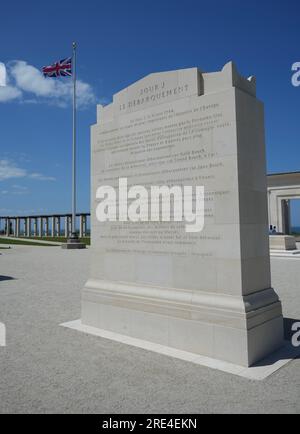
(19, 190)
(28, 84)
(9, 93)
(9, 170)
(16, 190)
(2, 74)
(85, 94)
(41, 177)
(19, 187)
(30, 79)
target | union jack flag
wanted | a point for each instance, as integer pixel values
(63, 68)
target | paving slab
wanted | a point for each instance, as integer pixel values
(46, 368)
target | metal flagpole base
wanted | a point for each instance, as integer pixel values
(73, 243)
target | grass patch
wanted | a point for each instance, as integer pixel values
(24, 243)
(85, 240)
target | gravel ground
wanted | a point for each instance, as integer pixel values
(49, 369)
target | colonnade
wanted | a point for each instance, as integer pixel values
(42, 225)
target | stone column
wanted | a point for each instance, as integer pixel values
(46, 226)
(84, 226)
(81, 226)
(35, 227)
(41, 221)
(7, 222)
(287, 217)
(273, 209)
(70, 224)
(17, 227)
(66, 226)
(58, 226)
(28, 227)
(53, 222)
(14, 227)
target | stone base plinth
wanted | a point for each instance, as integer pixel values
(259, 371)
(295, 254)
(282, 242)
(73, 243)
(240, 330)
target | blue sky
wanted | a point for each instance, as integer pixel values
(119, 42)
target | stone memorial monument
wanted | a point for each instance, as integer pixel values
(207, 292)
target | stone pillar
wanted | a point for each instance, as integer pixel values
(85, 226)
(58, 226)
(66, 226)
(17, 225)
(41, 221)
(82, 226)
(286, 216)
(35, 223)
(7, 228)
(53, 222)
(273, 209)
(46, 226)
(14, 226)
(28, 227)
(70, 224)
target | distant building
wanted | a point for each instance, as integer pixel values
(282, 188)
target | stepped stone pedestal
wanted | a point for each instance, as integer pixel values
(73, 243)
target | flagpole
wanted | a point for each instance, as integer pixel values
(74, 144)
(73, 241)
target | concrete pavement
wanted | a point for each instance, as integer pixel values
(49, 369)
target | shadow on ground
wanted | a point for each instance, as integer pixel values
(6, 278)
(287, 325)
(288, 351)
